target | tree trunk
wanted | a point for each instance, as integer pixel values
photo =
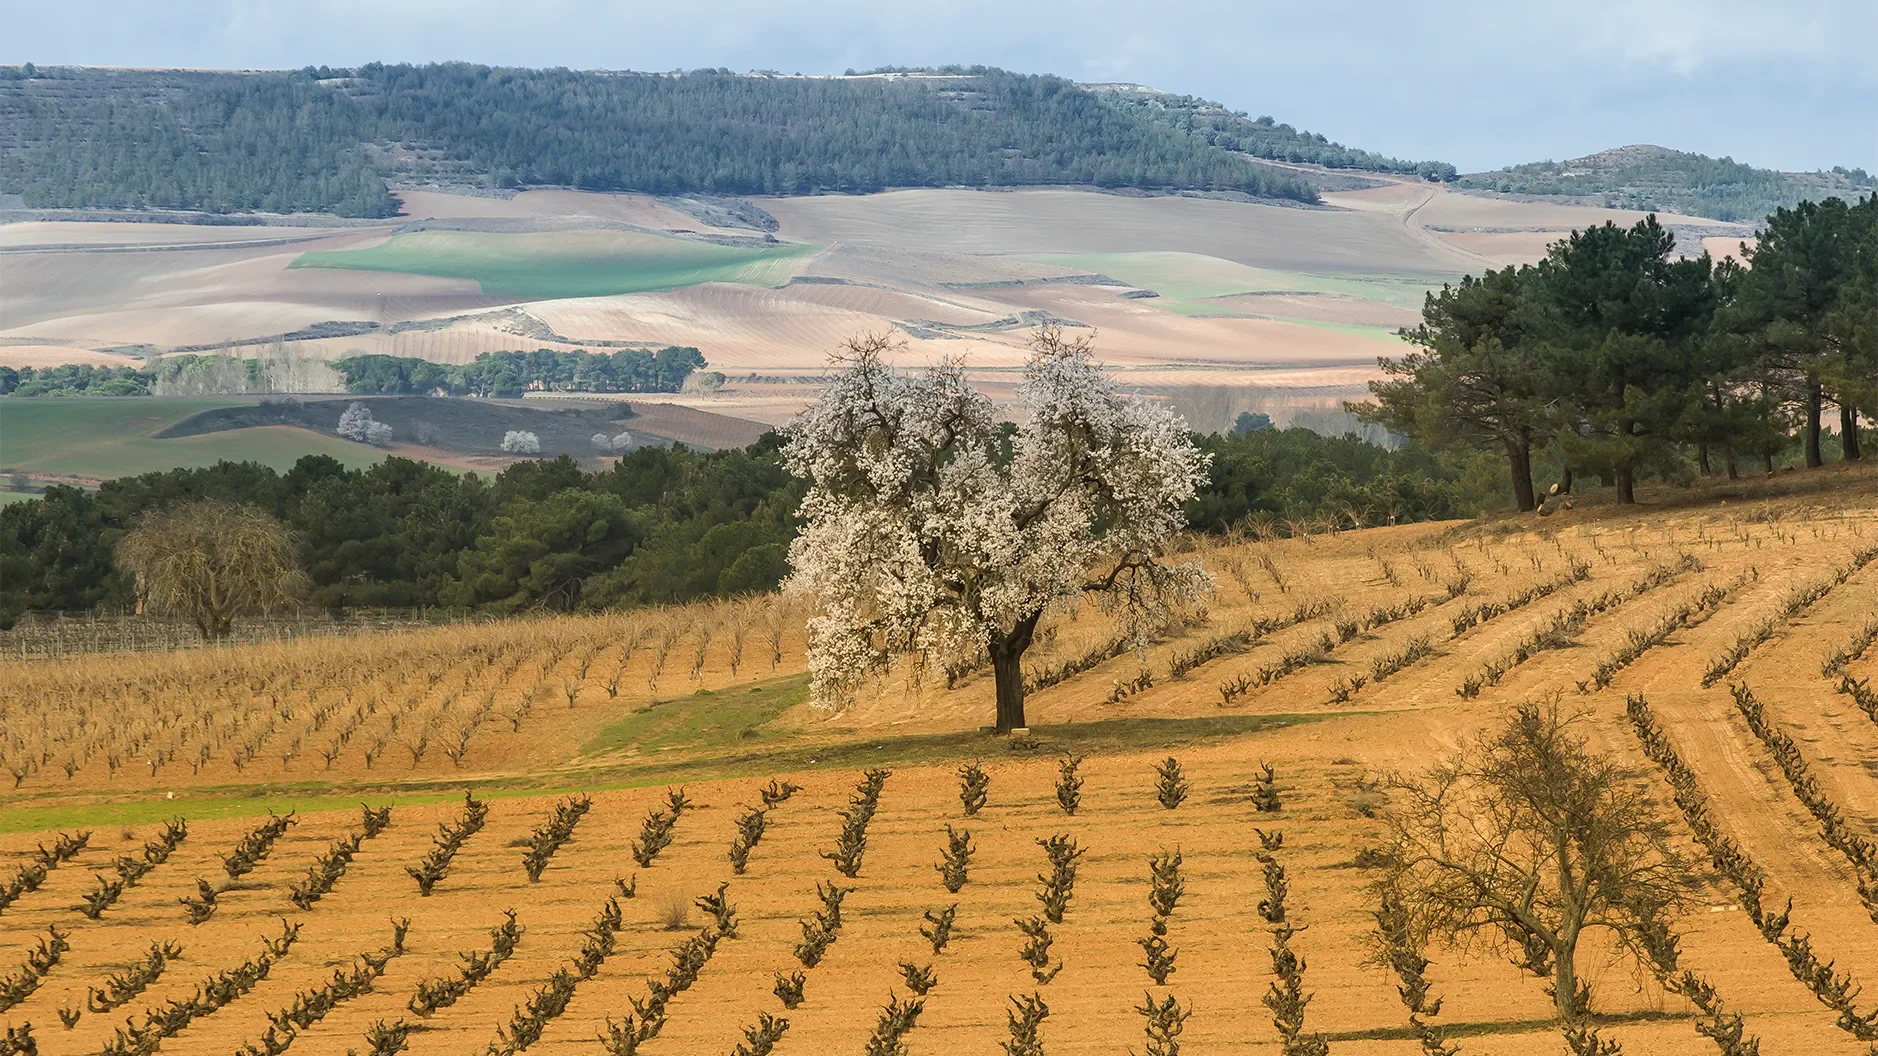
(1626, 485)
(1848, 430)
(1815, 400)
(1701, 457)
(1565, 984)
(1007, 655)
(1734, 473)
(1519, 463)
(1565, 479)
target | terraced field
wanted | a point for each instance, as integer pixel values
(1731, 643)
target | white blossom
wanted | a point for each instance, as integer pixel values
(521, 442)
(926, 535)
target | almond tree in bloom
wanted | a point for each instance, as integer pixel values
(932, 532)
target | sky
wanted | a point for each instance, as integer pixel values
(1789, 84)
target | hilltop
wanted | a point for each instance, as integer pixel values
(1653, 178)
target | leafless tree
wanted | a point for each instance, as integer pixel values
(1523, 840)
(211, 561)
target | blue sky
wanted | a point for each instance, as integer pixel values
(1482, 83)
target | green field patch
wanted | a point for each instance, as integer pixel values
(110, 437)
(568, 263)
(707, 719)
(1193, 283)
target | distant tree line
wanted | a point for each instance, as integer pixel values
(660, 525)
(1693, 184)
(75, 379)
(509, 374)
(1615, 358)
(314, 139)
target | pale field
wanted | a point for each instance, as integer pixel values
(1261, 297)
(626, 749)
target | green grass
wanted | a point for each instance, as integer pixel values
(707, 720)
(9, 497)
(112, 437)
(568, 263)
(1193, 283)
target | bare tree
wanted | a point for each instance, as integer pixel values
(1524, 841)
(211, 561)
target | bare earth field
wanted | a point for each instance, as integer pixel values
(624, 707)
(1267, 299)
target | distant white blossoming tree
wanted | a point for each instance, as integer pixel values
(521, 442)
(356, 424)
(932, 532)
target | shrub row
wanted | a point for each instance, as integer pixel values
(1835, 661)
(1265, 797)
(1797, 601)
(688, 960)
(311, 1006)
(324, 874)
(1044, 677)
(1164, 891)
(34, 872)
(433, 994)
(213, 994)
(449, 840)
(132, 869)
(1861, 852)
(550, 835)
(851, 845)
(1663, 954)
(1474, 615)
(1836, 990)
(1285, 995)
(20, 985)
(1400, 949)
(121, 987)
(525, 1026)
(1316, 651)
(1688, 614)
(820, 930)
(1170, 786)
(255, 845)
(655, 833)
(1564, 627)
(1859, 689)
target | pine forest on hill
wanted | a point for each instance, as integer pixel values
(322, 140)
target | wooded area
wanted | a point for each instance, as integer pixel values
(1619, 359)
(324, 140)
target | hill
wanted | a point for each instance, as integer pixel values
(1656, 178)
(334, 141)
(621, 711)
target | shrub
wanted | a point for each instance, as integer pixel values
(938, 927)
(974, 784)
(449, 840)
(433, 994)
(1026, 1016)
(1169, 786)
(1068, 783)
(550, 835)
(955, 862)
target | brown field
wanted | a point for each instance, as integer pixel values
(710, 697)
(897, 261)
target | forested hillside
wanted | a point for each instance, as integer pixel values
(326, 140)
(1653, 178)
(1262, 137)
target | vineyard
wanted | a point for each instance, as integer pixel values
(633, 833)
